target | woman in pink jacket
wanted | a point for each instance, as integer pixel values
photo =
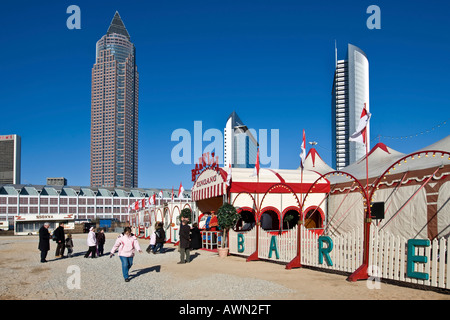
(127, 243)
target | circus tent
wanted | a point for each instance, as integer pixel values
(414, 189)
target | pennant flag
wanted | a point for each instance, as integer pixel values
(361, 131)
(303, 153)
(136, 205)
(143, 203)
(229, 174)
(161, 194)
(152, 199)
(180, 192)
(256, 170)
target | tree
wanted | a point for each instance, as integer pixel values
(226, 218)
(186, 213)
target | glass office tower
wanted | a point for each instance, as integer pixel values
(114, 110)
(349, 94)
(240, 146)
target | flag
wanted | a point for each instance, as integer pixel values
(256, 170)
(152, 199)
(180, 192)
(136, 205)
(303, 153)
(161, 194)
(143, 203)
(229, 174)
(361, 131)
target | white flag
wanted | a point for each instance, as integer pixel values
(180, 192)
(303, 153)
(229, 174)
(361, 130)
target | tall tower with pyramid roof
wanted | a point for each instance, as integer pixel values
(115, 110)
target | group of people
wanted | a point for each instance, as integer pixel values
(95, 242)
(190, 238)
(157, 239)
(62, 242)
(126, 243)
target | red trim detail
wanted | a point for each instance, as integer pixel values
(262, 187)
(293, 208)
(322, 214)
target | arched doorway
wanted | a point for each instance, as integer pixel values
(313, 218)
(270, 220)
(246, 220)
(290, 218)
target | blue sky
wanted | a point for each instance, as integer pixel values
(270, 61)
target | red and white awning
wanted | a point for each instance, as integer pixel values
(209, 184)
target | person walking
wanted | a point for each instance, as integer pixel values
(151, 247)
(127, 243)
(185, 242)
(60, 240)
(196, 237)
(160, 238)
(69, 245)
(44, 241)
(92, 243)
(101, 242)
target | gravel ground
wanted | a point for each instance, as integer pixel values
(159, 277)
(153, 276)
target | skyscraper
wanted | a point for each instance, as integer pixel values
(114, 110)
(240, 146)
(349, 94)
(10, 159)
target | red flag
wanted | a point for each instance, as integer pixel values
(180, 192)
(152, 200)
(136, 205)
(256, 170)
(361, 131)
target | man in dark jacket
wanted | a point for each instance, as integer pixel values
(44, 241)
(60, 240)
(185, 242)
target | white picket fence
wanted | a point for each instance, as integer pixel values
(346, 255)
(387, 253)
(285, 244)
(249, 246)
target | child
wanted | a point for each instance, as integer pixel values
(151, 247)
(69, 245)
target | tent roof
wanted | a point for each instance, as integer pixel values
(381, 157)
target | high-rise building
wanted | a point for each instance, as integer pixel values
(114, 110)
(349, 94)
(10, 159)
(240, 146)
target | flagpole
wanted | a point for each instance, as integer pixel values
(362, 272)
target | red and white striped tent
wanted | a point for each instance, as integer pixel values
(278, 191)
